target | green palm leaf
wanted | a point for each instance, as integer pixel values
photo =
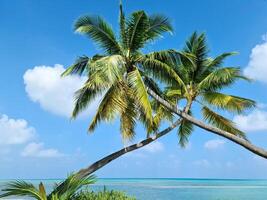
(228, 102)
(111, 104)
(218, 61)
(137, 26)
(78, 67)
(99, 31)
(128, 119)
(221, 122)
(139, 90)
(158, 24)
(160, 70)
(220, 78)
(184, 131)
(21, 188)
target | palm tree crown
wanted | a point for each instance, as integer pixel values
(201, 81)
(118, 74)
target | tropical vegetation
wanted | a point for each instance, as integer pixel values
(68, 190)
(74, 188)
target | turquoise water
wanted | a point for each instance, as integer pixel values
(182, 189)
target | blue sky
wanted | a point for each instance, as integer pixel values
(37, 138)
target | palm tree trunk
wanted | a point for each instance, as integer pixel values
(107, 159)
(244, 143)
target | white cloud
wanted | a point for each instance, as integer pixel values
(214, 144)
(154, 147)
(257, 66)
(255, 121)
(55, 94)
(15, 131)
(37, 150)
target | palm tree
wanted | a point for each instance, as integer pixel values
(118, 74)
(67, 191)
(202, 80)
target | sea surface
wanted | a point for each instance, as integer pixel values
(180, 189)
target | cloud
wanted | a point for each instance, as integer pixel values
(254, 121)
(15, 131)
(257, 66)
(37, 150)
(45, 86)
(214, 144)
(154, 147)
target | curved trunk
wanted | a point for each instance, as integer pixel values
(107, 159)
(254, 149)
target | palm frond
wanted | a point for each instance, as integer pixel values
(228, 102)
(128, 119)
(111, 104)
(99, 31)
(184, 131)
(21, 188)
(140, 92)
(221, 122)
(160, 70)
(218, 61)
(136, 30)
(67, 188)
(78, 67)
(220, 78)
(83, 97)
(158, 24)
(110, 68)
(123, 36)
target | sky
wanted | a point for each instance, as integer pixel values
(39, 140)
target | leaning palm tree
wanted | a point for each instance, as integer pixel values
(202, 80)
(67, 191)
(125, 78)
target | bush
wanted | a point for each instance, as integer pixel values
(103, 195)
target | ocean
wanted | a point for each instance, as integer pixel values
(180, 189)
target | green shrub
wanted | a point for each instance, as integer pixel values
(102, 195)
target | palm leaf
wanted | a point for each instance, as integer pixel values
(218, 61)
(137, 26)
(83, 97)
(123, 36)
(184, 131)
(78, 67)
(220, 78)
(128, 119)
(158, 24)
(228, 102)
(67, 188)
(21, 188)
(99, 31)
(111, 104)
(140, 92)
(221, 122)
(160, 70)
